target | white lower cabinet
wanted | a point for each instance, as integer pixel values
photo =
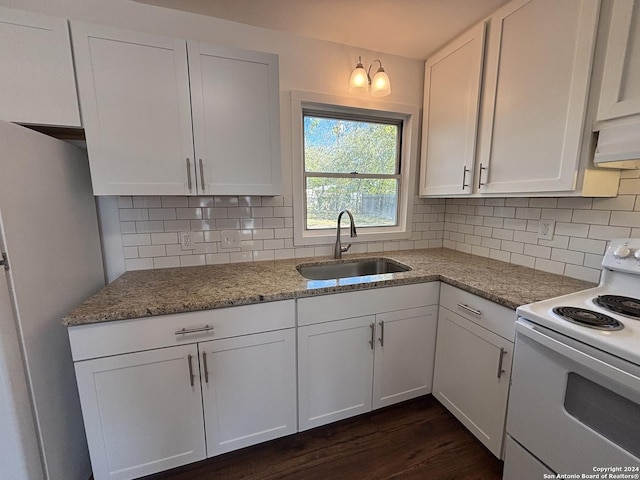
(364, 350)
(159, 408)
(142, 412)
(473, 363)
(248, 389)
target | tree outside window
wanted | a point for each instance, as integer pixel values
(351, 162)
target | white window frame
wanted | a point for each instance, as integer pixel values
(371, 109)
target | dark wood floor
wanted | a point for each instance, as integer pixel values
(417, 439)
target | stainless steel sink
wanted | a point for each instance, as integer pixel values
(355, 268)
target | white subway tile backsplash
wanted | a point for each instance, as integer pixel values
(597, 217)
(191, 213)
(201, 201)
(151, 251)
(139, 264)
(162, 214)
(164, 238)
(550, 266)
(133, 214)
(125, 202)
(177, 225)
(587, 245)
(174, 201)
(625, 219)
(537, 251)
(523, 260)
(567, 256)
(608, 233)
(500, 255)
(192, 260)
(583, 273)
(572, 229)
(575, 203)
(528, 213)
(515, 224)
(150, 226)
(501, 228)
(166, 262)
(135, 239)
(230, 201)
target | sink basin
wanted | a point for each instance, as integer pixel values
(355, 268)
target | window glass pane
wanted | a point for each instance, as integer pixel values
(334, 145)
(372, 201)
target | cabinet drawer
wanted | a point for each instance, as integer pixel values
(496, 318)
(327, 308)
(113, 338)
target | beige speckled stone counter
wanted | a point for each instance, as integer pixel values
(174, 290)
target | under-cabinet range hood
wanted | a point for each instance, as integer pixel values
(619, 147)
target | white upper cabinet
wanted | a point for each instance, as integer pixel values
(451, 105)
(37, 83)
(138, 93)
(531, 77)
(537, 76)
(236, 120)
(620, 90)
(134, 95)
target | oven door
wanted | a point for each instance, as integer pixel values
(573, 407)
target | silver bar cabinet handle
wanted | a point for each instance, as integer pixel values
(464, 176)
(191, 375)
(372, 340)
(206, 367)
(381, 339)
(184, 331)
(201, 173)
(189, 185)
(500, 370)
(469, 309)
(480, 182)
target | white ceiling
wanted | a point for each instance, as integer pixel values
(409, 28)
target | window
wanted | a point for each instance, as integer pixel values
(350, 162)
(355, 155)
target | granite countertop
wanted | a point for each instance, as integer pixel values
(147, 293)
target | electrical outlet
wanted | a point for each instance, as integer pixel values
(186, 241)
(230, 239)
(545, 229)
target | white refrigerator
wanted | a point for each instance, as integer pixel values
(49, 232)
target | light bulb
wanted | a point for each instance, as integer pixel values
(380, 85)
(359, 81)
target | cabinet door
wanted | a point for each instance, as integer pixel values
(249, 389)
(37, 83)
(134, 97)
(335, 370)
(538, 68)
(405, 351)
(142, 411)
(471, 377)
(236, 116)
(620, 91)
(451, 103)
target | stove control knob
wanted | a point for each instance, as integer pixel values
(622, 251)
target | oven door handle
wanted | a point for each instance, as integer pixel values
(582, 358)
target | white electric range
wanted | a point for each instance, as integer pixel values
(574, 405)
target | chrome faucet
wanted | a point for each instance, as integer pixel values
(339, 249)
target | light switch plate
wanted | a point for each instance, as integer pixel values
(230, 239)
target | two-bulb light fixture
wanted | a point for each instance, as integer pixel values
(360, 80)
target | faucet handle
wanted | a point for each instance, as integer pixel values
(345, 249)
